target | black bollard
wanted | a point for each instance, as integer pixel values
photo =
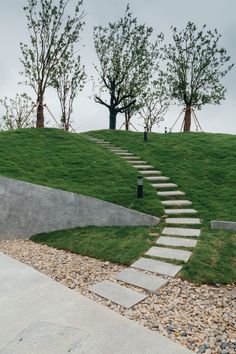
(140, 186)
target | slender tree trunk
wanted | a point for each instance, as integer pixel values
(40, 113)
(112, 118)
(187, 119)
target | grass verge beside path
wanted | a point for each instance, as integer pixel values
(116, 244)
(204, 166)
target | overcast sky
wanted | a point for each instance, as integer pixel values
(160, 14)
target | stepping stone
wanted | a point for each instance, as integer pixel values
(137, 161)
(180, 211)
(155, 266)
(164, 185)
(157, 178)
(115, 150)
(179, 231)
(124, 153)
(170, 253)
(183, 221)
(150, 172)
(117, 293)
(175, 241)
(170, 193)
(176, 202)
(142, 167)
(142, 280)
(103, 142)
(130, 157)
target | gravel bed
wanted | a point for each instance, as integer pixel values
(201, 318)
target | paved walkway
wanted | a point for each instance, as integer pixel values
(175, 244)
(40, 316)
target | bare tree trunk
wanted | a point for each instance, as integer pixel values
(187, 119)
(112, 119)
(40, 113)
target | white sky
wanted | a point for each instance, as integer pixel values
(159, 14)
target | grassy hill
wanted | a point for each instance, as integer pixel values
(53, 158)
(203, 165)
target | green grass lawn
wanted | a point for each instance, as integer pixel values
(203, 165)
(116, 244)
(53, 158)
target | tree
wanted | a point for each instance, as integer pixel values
(18, 112)
(70, 78)
(51, 34)
(155, 102)
(196, 63)
(126, 57)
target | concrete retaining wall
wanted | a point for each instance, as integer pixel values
(27, 209)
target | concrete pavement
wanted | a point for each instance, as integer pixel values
(41, 316)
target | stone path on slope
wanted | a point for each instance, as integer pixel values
(165, 259)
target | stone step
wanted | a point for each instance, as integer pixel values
(169, 253)
(150, 172)
(130, 157)
(170, 193)
(164, 185)
(135, 162)
(155, 266)
(117, 150)
(117, 293)
(183, 221)
(124, 153)
(179, 231)
(157, 178)
(176, 241)
(141, 280)
(176, 202)
(143, 167)
(104, 142)
(180, 211)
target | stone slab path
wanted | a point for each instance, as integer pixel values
(170, 193)
(176, 202)
(141, 280)
(191, 221)
(170, 253)
(180, 211)
(158, 267)
(165, 247)
(117, 293)
(180, 231)
(176, 241)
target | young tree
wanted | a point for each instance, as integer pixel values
(126, 57)
(51, 34)
(18, 112)
(196, 63)
(69, 80)
(155, 102)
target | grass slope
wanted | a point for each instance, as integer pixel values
(66, 161)
(204, 166)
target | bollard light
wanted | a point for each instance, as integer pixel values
(140, 186)
(145, 134)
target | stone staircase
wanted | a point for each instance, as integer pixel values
(152, 272)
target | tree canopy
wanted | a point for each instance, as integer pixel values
(195, 63)
(51, 34)
(127, 57)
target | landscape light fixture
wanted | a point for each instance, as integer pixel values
(140, 186)
(145, 134)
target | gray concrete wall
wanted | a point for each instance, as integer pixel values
(27, 209)
(223, 225)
